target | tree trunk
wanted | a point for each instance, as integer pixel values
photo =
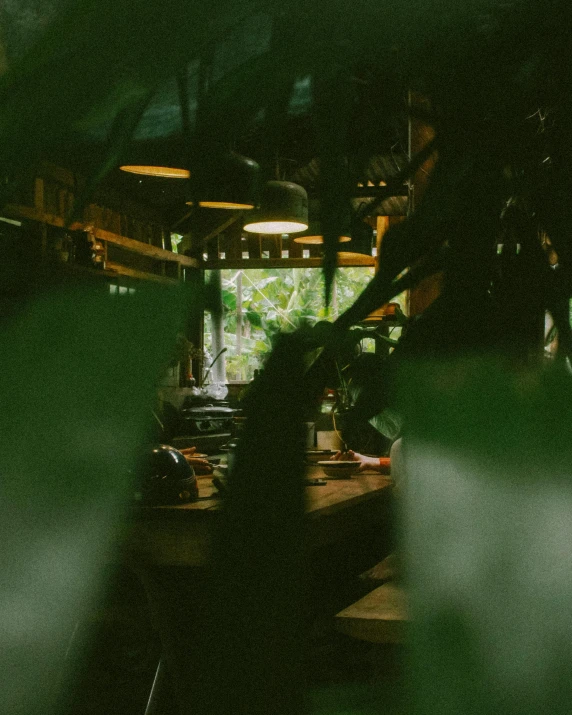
(239, 319)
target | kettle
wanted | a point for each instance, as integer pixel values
(167, 478)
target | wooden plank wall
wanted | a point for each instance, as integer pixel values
(58, 188)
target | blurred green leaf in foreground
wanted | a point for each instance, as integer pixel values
(488, 527)
(77, 382)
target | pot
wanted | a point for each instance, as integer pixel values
(205, 419)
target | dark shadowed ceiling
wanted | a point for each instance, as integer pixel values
(376, 144)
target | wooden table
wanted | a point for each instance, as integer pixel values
(180, 535)
(168, 548)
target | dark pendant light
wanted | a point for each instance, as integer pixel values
(160, 145)
(230, 181)
(314, 234)
(361, 243)
(162, 158)
(165, 172)
(283, 209)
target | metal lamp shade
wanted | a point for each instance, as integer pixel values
(314, 235)
(163, 159)
(165, 172)
(283, 209)
(228, 182)
(361, 243)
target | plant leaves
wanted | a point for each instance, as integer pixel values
(69, 448)
(259, 564)
(254, 318)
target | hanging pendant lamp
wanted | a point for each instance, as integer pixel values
(157, 158)
(165, 172)
(283, 209)
(361, 243)
(314, 234)
(230, 181)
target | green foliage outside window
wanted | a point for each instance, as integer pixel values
(275, 300)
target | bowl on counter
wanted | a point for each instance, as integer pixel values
(339, 469)
(313, 456)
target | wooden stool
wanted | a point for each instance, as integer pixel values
(378, 617)
(386, 570)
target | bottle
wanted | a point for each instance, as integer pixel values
(98, 252)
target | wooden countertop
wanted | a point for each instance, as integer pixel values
(320, 500)
(181, 534)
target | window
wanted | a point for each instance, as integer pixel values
(116, 289)
(258, 303)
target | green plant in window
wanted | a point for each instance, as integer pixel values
(278, 300)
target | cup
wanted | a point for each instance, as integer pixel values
(329, 439)
(310, 433)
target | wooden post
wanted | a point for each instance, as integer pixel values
(239, 317)
(233, 241)
(253, 244)
(3, 59)
(420, 135)
(39, 196)
(213, 248)
(294, 249)
(195, 320)
(217, 325)
(382, 224)
(272, 244)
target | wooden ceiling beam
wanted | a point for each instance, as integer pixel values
(245, 263)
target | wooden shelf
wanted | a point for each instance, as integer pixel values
(117, 269)
(160, 254)
(145, 249)
(129, 244)
(111, 273)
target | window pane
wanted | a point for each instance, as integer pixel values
(258, 303)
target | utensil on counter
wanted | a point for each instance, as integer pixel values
(210, 367)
